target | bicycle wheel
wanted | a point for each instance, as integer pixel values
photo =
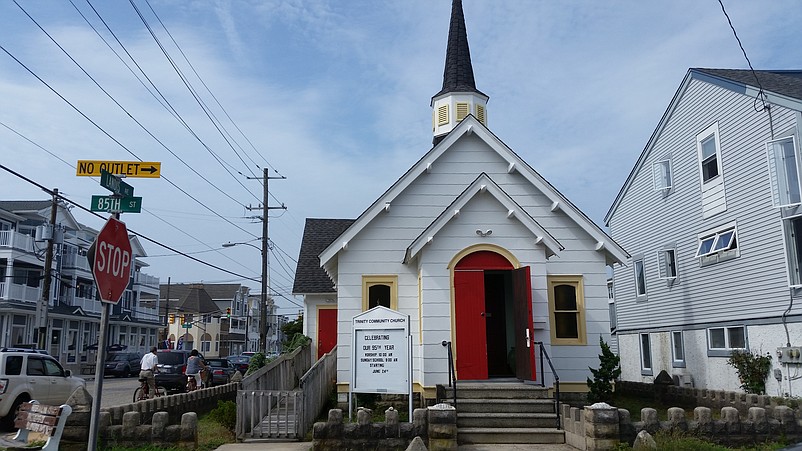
(138, 394)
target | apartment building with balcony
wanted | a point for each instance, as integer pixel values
(73, 319)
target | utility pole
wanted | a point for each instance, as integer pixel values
(44, 303)
(166, 312)
(265, 260)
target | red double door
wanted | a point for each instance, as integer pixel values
(493, 308)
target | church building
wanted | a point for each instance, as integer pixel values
(476, 247)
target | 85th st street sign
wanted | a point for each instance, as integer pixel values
(112, 204)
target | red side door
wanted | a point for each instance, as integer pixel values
(326, 330)
(469, 295)
(524, 330)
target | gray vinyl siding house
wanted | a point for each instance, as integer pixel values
(706, 215)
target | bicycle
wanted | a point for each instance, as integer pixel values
(192, 384)
(141, 393)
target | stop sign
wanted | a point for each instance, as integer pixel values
(111, 265)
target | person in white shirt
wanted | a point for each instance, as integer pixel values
(148, 364)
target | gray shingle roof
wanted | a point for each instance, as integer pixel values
(217, 291)
(784, 82)
(458, 73)
(25, 205)
(318, 235)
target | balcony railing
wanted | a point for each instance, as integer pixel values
(15, 240)
(146, 280)
(75, 261)
(17, 292)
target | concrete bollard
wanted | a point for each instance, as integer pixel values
(442, 427)
(601, 427)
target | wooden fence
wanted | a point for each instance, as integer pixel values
(283, 399)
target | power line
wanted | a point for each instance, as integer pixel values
(113, 138)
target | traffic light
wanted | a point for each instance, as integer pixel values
(183, 319)
(172, 318)
(228, 312)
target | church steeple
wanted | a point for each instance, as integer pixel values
(459, 96)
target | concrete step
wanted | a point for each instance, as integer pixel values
(474, 436)
(506, 420)
(505, 390)
(504, 405)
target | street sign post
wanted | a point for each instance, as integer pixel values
(89, 168)
(111, 260)
(113, 204)
(187, 326)
(115, 184)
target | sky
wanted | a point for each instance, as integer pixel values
(334, 96)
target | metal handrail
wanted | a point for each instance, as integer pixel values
(452, 375)
(556, 380)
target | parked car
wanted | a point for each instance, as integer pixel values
(247, 353)
(222, 370)
(27, 375)
(172, 367)
(240, 362)
(122, 364)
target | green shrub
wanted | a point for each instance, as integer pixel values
(225, 413)
(752, 368)
(257, 361)
(601, 387)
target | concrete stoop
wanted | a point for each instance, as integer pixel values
(505, 413)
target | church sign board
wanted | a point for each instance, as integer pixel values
(382, 345)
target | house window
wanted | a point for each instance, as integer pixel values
(611, 313)
(462, 110)
(640, 278)
(442, 115)
(793, 244)
(645, 355)
(661, 171)
(677, 350)
(709, 153)
(784, 172)
(566, 310)
(379, 290)
(722, 340)
(667, 259)
(717, 243)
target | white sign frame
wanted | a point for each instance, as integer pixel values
(381, 354)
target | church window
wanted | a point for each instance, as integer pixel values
(379, 290)
(442, 115)
(462, 110)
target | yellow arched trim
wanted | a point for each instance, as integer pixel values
(453, 263)
(483, 247)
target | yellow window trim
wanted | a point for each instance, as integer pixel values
(389, 280)
(576, 281)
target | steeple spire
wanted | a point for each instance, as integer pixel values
(459, 96)
(458, 73)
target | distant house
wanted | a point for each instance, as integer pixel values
(197, 317)
(74, 308)
(475, 246)
(711, 216)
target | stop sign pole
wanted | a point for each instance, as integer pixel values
(111, 258)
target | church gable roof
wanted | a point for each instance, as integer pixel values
(483, 183)
(468, 126)
(318, 234)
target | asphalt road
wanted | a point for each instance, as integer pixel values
(116, 391)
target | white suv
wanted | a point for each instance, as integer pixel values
(26, 375)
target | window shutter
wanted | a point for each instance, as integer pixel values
(462, 111)
(442, 115)
(480, 114)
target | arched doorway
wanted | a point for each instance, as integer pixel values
(493, 318)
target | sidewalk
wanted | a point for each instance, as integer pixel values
(306, 446)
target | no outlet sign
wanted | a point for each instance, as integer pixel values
(111, 260)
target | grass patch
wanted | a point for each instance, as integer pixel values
(675, 441)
